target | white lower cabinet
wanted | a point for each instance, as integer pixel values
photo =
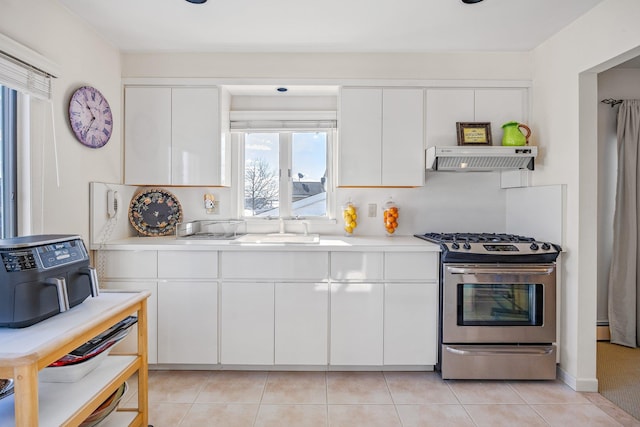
(301, 323)
(246, 323)
(357, 324)
(305, 308)
(188, 324)
(130, 343)
(410, 323)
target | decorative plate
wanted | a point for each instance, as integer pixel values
(155, 212)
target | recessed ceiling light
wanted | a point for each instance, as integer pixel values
(471, 1)
(197, 1)
(282, 89)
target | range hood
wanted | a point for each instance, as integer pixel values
(486, 158)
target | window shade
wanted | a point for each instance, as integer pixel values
(24, 78)
(283, 124)
(267, 120)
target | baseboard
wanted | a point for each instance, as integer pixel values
(578, 384)
(603, 333)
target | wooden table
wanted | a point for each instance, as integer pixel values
(24, 352)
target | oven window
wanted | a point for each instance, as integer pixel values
(500, 304)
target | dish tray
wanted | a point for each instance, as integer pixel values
(211, 229)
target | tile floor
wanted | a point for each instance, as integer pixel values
(368, 399)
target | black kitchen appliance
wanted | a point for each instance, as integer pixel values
(497, 306)
(41, 276)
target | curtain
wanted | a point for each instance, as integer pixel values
(624, 281)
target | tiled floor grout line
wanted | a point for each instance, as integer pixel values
(326, 396)
(264, 388)
(515, 390)
(464, 408)
(395, 406)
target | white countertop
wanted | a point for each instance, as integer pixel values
(327, 243)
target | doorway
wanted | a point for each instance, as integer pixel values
(617, 372)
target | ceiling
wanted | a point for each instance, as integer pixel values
(327, 26)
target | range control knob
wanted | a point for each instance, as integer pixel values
(466, 245)
(546, 246)
(455, 245)
(534, 246)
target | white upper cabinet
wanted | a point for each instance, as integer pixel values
(173, 136)
(402, 137)
(147, 135)
(497, 106)
(360, 137)
(381, 137)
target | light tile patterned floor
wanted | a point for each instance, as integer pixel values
(367, 399)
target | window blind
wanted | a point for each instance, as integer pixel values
(23, 77)
(268, 120)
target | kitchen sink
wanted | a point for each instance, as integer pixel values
(279, 238)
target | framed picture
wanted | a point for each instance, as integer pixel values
(478, 133)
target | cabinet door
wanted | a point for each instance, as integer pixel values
(147, 135)
(188, 322)
(301, 317)
(499, 106)
(403, 137)
(246, 323)
(130, 343)
(422, 266)
(127, 264)
(445, 107)
(410, 323)
(357, 265)
(187, 264)
(360, 138)
(195, 136)
(356, 324)
(274, 265)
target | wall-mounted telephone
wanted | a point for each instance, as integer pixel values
(113, 203)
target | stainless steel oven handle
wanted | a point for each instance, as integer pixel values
(490, 351)
(501, 270)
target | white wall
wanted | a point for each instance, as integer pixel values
(83, 59)
(564, 120)
(616, 84)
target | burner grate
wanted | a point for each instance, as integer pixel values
(477, 238)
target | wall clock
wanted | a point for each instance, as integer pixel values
(90, 117)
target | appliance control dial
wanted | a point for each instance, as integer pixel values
(546, 246)
(466, 245)
(455, 245)
(534, 246)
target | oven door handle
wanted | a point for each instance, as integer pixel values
(490, 351)
(501, 270)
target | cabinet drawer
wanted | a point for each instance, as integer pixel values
(188, 264)
(411, 266)
(129, 264)
(356, 265)
(274, 265)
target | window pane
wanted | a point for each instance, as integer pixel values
(309, 174)
(261, 192)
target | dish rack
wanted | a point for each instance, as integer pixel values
(211, 229)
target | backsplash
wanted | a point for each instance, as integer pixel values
(447, 202)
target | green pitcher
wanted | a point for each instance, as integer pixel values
(512, 135)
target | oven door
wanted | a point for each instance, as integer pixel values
(499, 304)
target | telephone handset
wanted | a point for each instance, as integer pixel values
(113, 203)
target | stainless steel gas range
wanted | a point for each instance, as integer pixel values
(497, 307)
